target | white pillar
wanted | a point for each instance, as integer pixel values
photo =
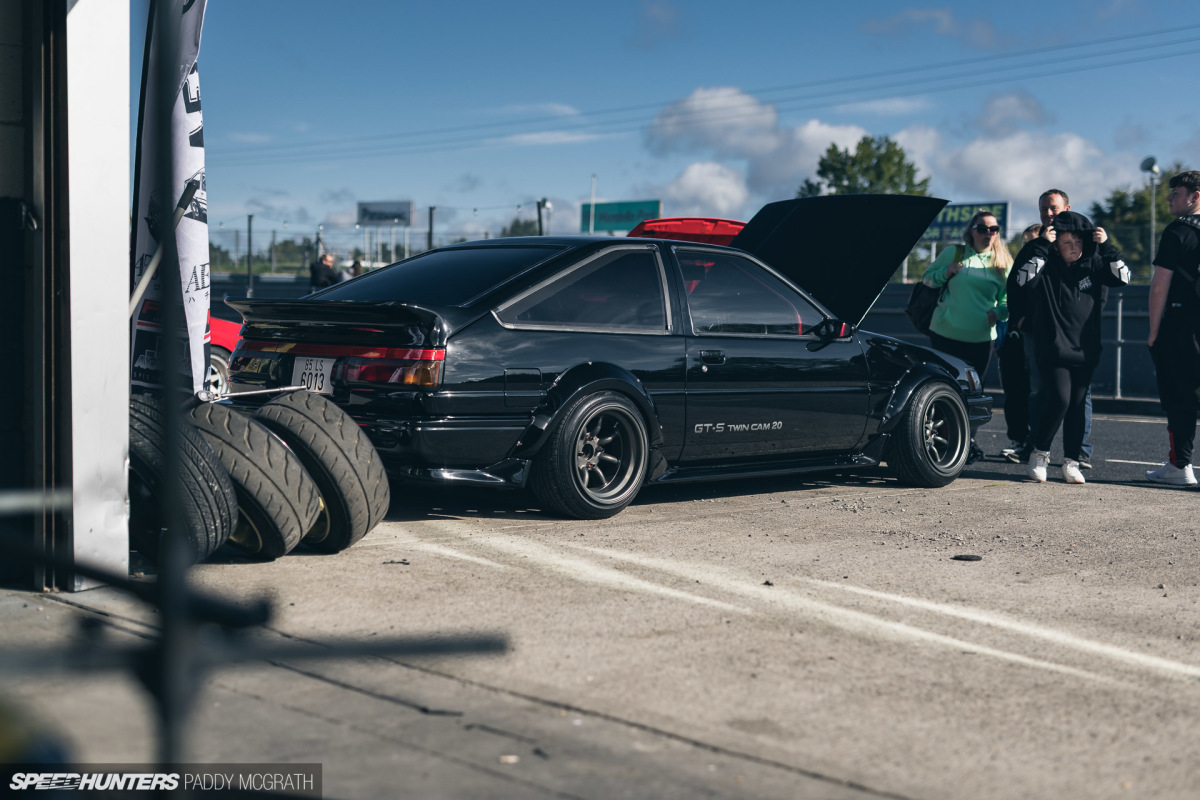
(98, 189)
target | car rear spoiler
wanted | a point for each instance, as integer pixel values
(388, 316)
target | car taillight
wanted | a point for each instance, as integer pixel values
(423, 369)
(402, 366)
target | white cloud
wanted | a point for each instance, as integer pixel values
(728, 124)
(706, 189)
(724, 120)
(549, 109)
(1004, 113)
(1017, 167)
(941, 20)
(891, 106)
(543, 138)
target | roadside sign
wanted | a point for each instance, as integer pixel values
(950, 222)
(619, 216)
(390, 212)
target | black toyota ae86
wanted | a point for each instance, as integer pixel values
(585, 367)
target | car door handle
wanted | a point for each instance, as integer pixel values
(712, 356)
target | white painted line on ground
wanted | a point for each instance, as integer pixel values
(414, 542)
(582, 569)
(1163, 666)
(858, 622)
(1143, 463)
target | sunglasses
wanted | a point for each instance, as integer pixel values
(986, 228)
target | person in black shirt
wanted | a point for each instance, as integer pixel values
(1175, 325)
(322, 273)
(1064, 278)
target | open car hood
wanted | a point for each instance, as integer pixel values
(842, 249)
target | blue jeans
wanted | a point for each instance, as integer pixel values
(1035, 387)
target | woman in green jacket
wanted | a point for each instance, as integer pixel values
(964, 322)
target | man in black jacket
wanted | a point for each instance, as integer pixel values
(1018, 367)
(1175, 325)
(322, 273)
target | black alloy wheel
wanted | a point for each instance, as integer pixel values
(933, 441)
(595, 462)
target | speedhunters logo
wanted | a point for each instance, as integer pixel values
(113, 781)
(96, 781)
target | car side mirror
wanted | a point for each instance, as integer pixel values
(829, 330)
(834, 329)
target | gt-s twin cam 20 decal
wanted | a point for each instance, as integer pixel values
(737, 427)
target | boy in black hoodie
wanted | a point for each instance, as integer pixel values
(1064, 277)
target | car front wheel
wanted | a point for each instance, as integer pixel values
(933, 440)
(595, 461)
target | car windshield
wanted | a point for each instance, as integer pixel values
(446, 277)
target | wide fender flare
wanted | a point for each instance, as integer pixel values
(913, 380)
(577, 382)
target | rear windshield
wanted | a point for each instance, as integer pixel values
(452, 277)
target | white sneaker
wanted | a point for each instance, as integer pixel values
(1071, 473)
(1173, 475)
(1013, 451)
(1038, 461)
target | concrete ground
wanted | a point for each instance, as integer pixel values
(811, 637)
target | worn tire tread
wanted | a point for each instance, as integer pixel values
(274, 490)
(341, 460)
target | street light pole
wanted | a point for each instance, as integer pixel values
(1150, 165)
(249, 255)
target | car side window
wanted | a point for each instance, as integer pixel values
(728, 294)
(620, 289)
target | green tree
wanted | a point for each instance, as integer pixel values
(520, 227)
(1125, 216)
(219, 258)
(877, 165)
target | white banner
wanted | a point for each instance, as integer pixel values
(153, 211)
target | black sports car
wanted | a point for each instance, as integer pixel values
(585, 367)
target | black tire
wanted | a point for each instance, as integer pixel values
(595, 461)
(277, 499)
(218, 373)
(341, 460)
(208, 505)
(932, 441)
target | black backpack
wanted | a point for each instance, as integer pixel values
(925, 298)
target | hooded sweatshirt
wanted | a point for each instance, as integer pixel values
(1065, 300)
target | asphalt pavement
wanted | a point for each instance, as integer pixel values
(811, 637)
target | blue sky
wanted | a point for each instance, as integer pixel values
(480, 107)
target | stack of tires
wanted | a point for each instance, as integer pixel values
(298, 470)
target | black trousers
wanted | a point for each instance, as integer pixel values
(1176, 358)
(977, 354)
(1014, 378)
(1060, 401)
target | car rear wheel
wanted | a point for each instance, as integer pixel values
(933, 439)
(595, 461)
(341, 460)
(218, 373)
(278, 501)
(207, 503)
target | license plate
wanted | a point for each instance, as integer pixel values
(313, 374)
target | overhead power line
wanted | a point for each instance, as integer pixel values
(793, 97)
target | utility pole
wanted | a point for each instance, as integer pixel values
(249, 255)
(272, 251)
(429, 240)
